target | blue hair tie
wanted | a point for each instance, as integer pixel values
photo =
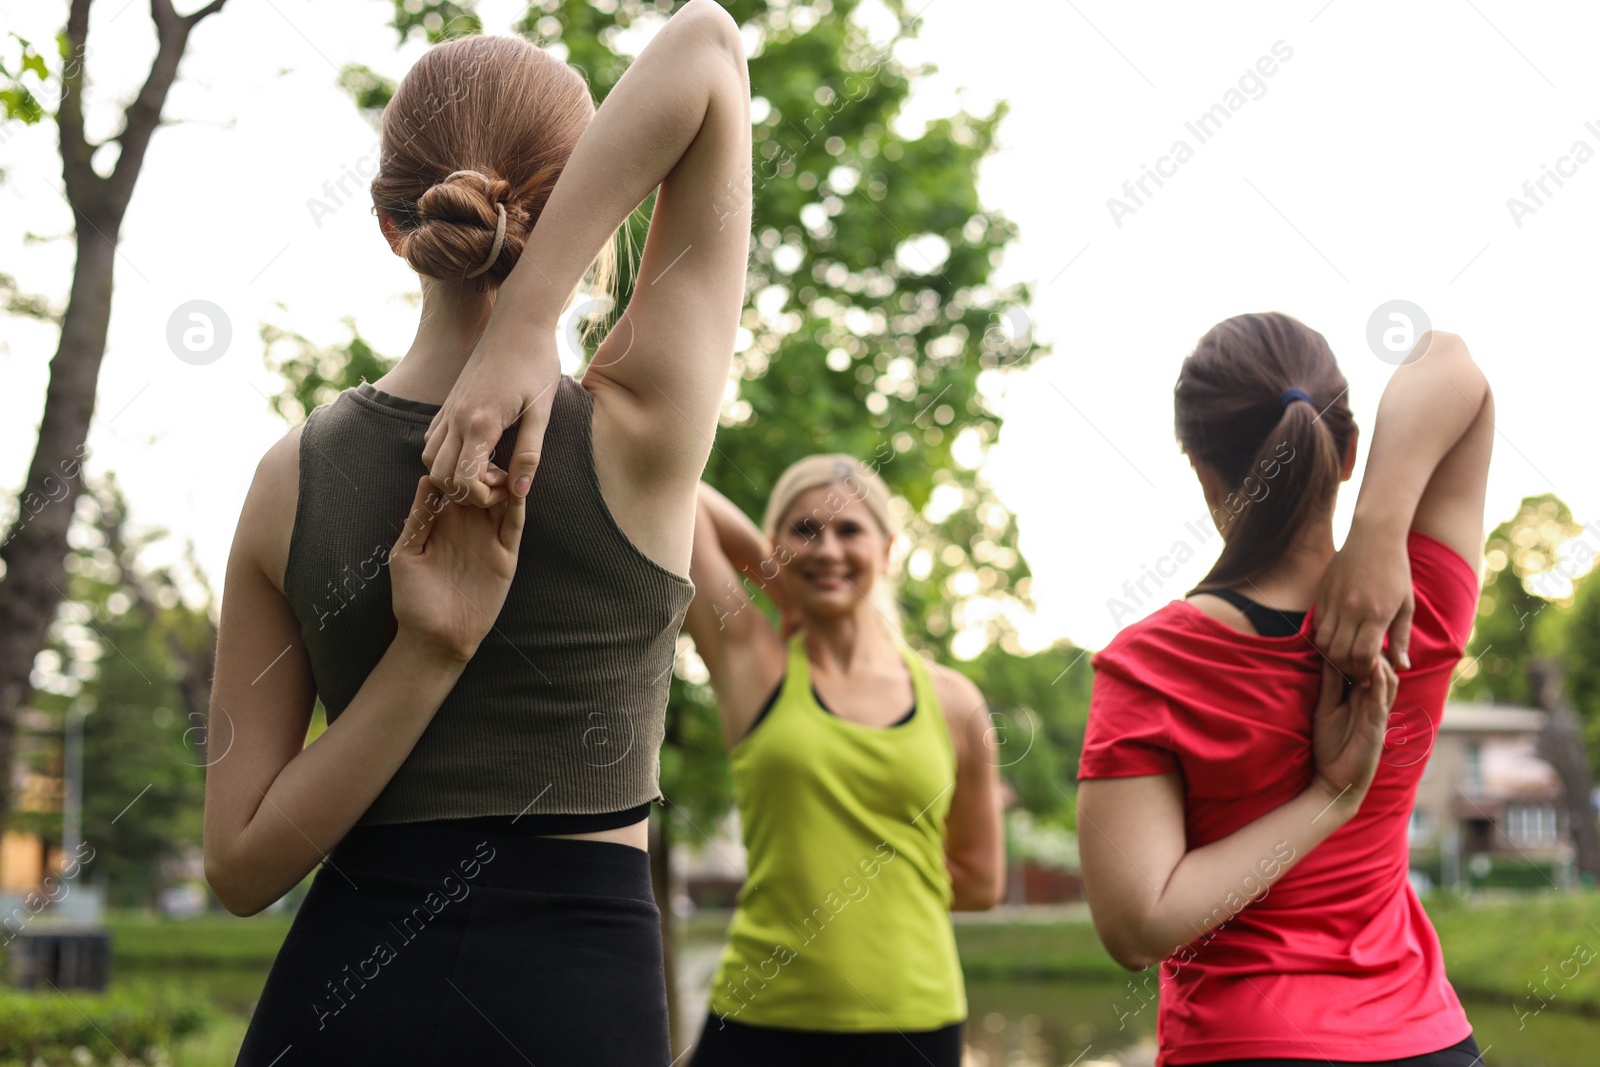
(1289, 396)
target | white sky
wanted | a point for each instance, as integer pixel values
(1376, 165)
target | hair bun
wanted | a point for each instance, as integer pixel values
(458, 219)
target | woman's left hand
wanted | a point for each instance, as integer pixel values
(1347, 732)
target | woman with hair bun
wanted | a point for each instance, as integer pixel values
(865, 781)
(1240, 831)
(493, 647)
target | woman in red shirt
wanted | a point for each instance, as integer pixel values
(1239, 833)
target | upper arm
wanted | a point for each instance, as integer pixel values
(1451, 505)
(974, 835)
(742, 652)
(669, 354)
(1130, 839)
(262, 693)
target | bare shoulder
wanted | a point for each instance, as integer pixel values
(960, 699)
(266, 522)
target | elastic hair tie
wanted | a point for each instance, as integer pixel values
(1289, 396)
(499, 227)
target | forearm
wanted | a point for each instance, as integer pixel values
(741, 539)
(1212, 884)
(631, 146)
(974, 888)
(1425, 410)
(320, 794)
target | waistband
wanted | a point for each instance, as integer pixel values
(436, 849)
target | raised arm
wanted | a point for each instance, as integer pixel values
(274, 806)
(742, 652)
(1150, 894)
(1427, 470)
(678, 122)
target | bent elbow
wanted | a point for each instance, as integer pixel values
(977, 894)
(719, 23)
(228, 890)
(1124, 942)
(1133, 957)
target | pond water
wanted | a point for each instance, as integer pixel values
(1057, 1023)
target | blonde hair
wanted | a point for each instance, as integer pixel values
(500, 106)
(861, 484)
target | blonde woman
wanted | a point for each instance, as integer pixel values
(865, 780)
(495, 682)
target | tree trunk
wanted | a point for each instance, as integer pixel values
(1561, 744)
(34, 554)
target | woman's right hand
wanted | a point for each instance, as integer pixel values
(1347, 732)
(451, 569)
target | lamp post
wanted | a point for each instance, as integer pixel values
(72, 808)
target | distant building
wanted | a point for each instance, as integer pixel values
(1486, 792)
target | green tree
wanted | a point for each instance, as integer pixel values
(129, 651)
(48, 83)
(1515, 623)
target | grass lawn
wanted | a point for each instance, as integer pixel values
(1492, 949)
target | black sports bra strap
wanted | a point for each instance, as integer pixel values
(1269, 622)
(778, 689)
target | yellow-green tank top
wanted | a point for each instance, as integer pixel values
(844, 919)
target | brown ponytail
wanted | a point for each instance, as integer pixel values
(1282, 461)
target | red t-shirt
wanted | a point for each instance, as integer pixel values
(1337, 961)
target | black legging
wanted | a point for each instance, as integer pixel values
(1462, 1054)
(725, 1043)
(443, 942)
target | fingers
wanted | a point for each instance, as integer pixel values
(472, 474)
(1332, 688)
(1339, 646)
(431, 440)
(419, 520)
(1365, 648)
(513, 513)
(446, 457)
(1400, 635)
(530, 441)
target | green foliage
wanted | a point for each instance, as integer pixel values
(113, 653)
(315, 375)
(45, 1027)
(1523, 558)
(1513, 623)
(19, 101)
(434, 21)
(1039, 706)
(1579, 650)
